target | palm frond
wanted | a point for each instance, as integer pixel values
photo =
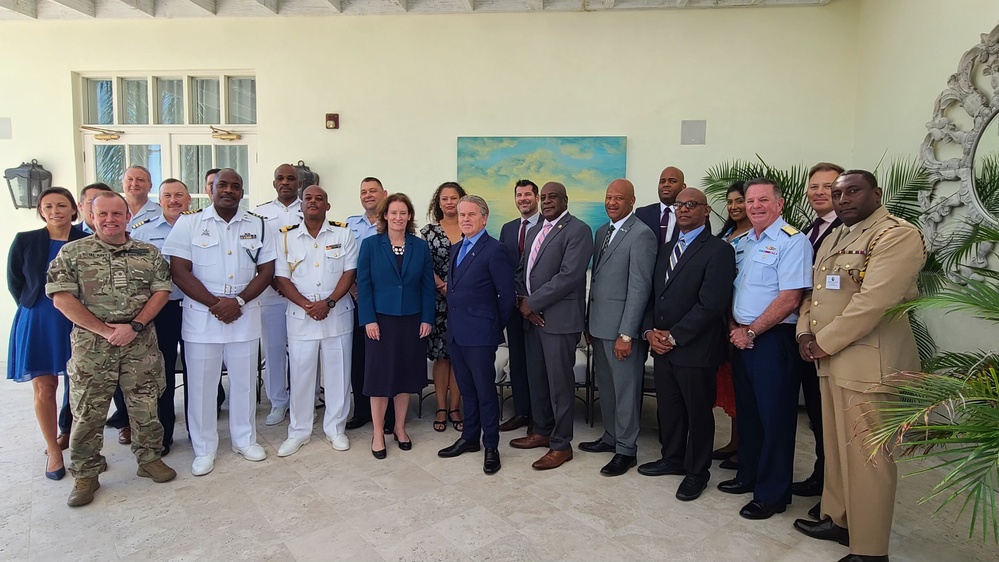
(720, 177)
(933, 276)
(900, 188)
(987, 183)
(924, 341)
(955, 363)
(980, 298)
(966, 240)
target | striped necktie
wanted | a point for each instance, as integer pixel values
(674, 256)
(535, 249)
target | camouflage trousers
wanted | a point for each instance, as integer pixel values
(95, 368)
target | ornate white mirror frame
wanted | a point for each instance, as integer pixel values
(974, 88)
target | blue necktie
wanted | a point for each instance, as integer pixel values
(463, 251)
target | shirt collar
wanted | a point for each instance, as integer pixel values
(689, 237)
(772, 231)
(564, 213)
(475, 239)
(531, 220)
(297, 202)
(303, 230)
(829, 217)
(210, 213)
(617, 225)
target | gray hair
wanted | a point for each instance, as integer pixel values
(778, 192)
(483, 206)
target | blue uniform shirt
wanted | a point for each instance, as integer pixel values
(778, 261)
(361, 228)
(155, 231)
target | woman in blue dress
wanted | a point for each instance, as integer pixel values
(39, 340)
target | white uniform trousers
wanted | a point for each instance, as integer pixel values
(204, 368)
(274, 338)
(333, 354)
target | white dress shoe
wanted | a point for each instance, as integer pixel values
(203, 465)
(339, 442)
(291, 446)
(276, 416)
(252, 453)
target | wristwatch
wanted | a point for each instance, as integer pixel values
(670, 339)
(137, 326)
(330, 302)
(750, 334)
(240, 301)
(625, 338)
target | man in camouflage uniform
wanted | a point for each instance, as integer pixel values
(111, 287)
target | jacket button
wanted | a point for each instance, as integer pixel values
(662, 298)
(815, 303)
(818, 286)
(823, 268)
(814, 322)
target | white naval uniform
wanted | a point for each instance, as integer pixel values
(315, 266)
(224, 259)
(274, 339)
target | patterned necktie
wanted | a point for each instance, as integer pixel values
(674, 256)
(607, 239)
(535, 249)
(465, 247)
(523, 234)
(664, 226)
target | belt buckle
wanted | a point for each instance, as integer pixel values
(228, 289)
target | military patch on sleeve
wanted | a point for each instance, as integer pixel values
(338, 223)
(289, 228)
(789, 230)
(192, 212)
(140, 223)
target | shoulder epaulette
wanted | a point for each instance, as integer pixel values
(261, 217)
(192, 212)
(264, 203)
(337, 223)
(289, 228)
(140, 223)
(789, 230)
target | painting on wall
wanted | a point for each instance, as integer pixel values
(490, 166)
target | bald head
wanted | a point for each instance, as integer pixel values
(692, 209)
(554, 200)
(620, 199)
(670, 184)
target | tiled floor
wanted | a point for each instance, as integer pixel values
(325, 505)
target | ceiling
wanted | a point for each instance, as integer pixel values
(27, 10)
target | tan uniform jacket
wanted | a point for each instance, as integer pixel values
(849, 322)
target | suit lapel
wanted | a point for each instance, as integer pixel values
(407, 256)
(619, 237)
(552, 233)
(686, 256)
(390, 255)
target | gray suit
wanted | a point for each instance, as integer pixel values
(558, 294)
(620, 287)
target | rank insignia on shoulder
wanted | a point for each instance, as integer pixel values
(192, 212)
(789, 230)
(140, 223)
(264, 203)
(247, 236)
(261, 217)
(289, 228)
(333, 246)
(338, 223)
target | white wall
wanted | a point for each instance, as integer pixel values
(407, 86)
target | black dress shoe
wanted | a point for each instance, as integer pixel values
(824, 530)
(165, 451)
(810, 487)
(815, 511)
(354, 423)
(719, 455)
(660, 467)
(491, 465)
(404, 445)
(379, 454)
(758, 510)
(690, 489)
(462, 446)
(863, 558)
(734, 486)
(729, 464)
(618, 465)
(597, 446)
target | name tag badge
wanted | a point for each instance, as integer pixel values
(832, 282)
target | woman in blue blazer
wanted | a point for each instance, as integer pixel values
(39, 340)
(395, 304)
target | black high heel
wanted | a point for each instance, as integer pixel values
(404, 445)
(456, 422)
(440, 426)
(378, 454)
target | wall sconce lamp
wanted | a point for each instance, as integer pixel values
(225, 135)
(26, 183)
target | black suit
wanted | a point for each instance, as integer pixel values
(692, 305)
(510, 237)
(27, 264)
(651, 215)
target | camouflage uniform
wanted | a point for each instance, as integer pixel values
(114, 283)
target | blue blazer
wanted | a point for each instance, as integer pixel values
(383, 289)
(27, 264)
(510, 237)
(480, 294)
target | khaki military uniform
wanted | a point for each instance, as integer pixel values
(846, 313)
(114, 283)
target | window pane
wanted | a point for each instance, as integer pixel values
(236, 157)
(242, 101)
(109, 163)
(205, 101)
(136, 97)
(195, 160)
(171, 101)
(100, 103)
(147, 156)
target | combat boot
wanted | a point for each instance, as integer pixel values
(157, 470)
(83, 491)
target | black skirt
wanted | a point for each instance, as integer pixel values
(396, 363)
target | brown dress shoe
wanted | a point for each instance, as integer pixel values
(125, 436)
(63, 441)
(532, 441)
(516, 422)
(553, 459)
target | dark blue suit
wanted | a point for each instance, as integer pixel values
(480, 299)
(383, 289)
(510, 237)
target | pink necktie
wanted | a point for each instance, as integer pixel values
(535, 248)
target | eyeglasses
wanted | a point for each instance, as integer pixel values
(688, 204)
